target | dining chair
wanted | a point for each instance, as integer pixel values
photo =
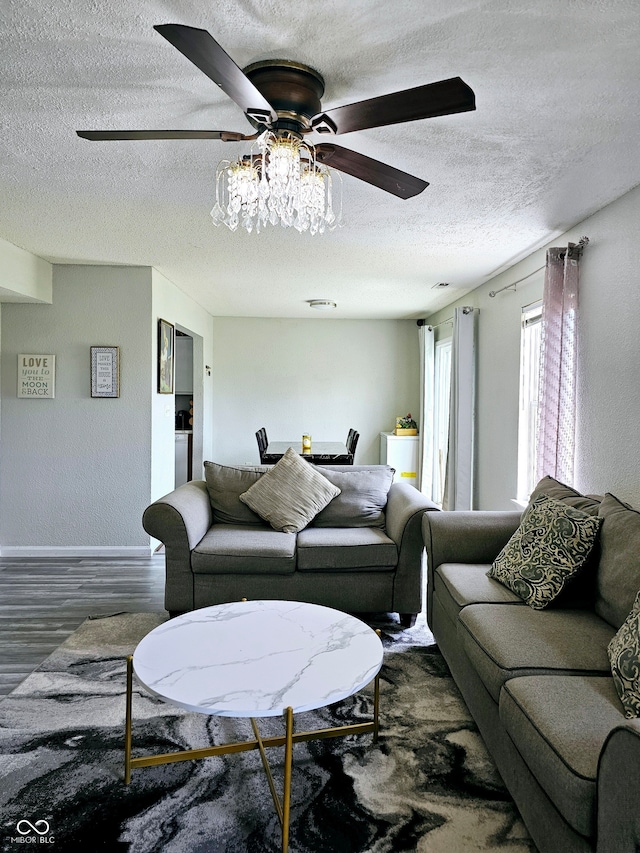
(261, 438)
(352, 443)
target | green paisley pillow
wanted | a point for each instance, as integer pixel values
(624, 655)
(547, 550)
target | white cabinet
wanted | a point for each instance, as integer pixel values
(401, 452)
(184, 364)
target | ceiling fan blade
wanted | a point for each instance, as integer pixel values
(115, 135)
(433, 99)
(206, 54)
(372, 171)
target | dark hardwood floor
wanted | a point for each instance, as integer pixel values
(43, 601)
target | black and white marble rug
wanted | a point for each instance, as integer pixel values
(428, 785)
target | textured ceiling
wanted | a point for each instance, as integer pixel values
(555, 137)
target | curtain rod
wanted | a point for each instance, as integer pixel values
(467, 309)
(574, 250)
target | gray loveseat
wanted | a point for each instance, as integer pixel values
(539, 682)
(361, 553)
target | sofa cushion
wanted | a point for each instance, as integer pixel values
(345, 548)
(619, 570)
(559, 492)
(558, 725)
(225, 484)
(503, 641)
(244, 549)
(549, 547)
(624, 654)
(460, 584)
(362, 498)
(290, 494)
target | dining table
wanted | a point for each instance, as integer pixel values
(322, 452)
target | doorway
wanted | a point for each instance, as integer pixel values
(189, 404)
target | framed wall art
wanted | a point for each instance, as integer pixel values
(165, 357)
(105, 371)
(36, 376)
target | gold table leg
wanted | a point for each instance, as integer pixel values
(283, 809)
(127, 723)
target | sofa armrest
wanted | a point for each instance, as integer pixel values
(403, 502)
(179, 520)
(467, 537)
(619, 790)
(405, 508)
(472, 536)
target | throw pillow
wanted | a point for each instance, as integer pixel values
(580, 591)
(559, 492)
(549, 547)
(291, 494)
(618, 578)
(624, 655)
(362, 498)
(225, 484)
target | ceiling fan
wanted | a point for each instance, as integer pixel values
(284, 97)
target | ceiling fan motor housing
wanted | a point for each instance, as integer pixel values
(293, 90)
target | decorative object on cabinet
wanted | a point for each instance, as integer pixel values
(406, 425)
(36, 376)
(165, 357)
(105, 371)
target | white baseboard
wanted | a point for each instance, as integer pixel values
(90, 552)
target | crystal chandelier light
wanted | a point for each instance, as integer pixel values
(279, 182)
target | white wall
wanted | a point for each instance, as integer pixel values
(608, 403)
(173, 305)
(75, 470)
(321, 376)
(23, 276)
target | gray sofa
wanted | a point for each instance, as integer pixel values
(362, 553)
(539, 682)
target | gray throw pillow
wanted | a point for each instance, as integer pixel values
(624, 656)
(618, 578)
(290, 494)
(362, 499)
(559, 492)
(225, 484)
(549, 547)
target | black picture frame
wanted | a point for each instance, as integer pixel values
(166, 359)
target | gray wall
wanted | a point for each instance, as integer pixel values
(608, 403)
(321, 376)
(75, 470)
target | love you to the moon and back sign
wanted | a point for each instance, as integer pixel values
(36, 376)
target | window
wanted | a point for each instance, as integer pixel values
(442, 384)
(528, 411)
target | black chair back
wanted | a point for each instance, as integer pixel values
(352, 443)
(261, 438)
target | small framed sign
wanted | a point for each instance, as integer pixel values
(36, 376)
(105, 371)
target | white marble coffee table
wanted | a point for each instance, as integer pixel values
(256, 659)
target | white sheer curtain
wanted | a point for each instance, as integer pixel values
(426, 338)
(557, 394)
(458, 491)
